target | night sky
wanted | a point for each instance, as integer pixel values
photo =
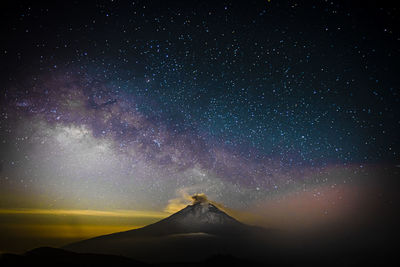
(114, 112)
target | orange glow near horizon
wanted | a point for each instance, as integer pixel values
(57, 227)
(115, 213)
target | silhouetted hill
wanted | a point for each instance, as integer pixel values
(47, 256)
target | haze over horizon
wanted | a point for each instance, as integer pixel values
(114, 114)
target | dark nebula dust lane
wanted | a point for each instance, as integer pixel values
(287, 114)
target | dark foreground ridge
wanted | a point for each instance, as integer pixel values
(47, 256)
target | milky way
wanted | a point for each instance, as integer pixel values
(140, 105)
(71, 116)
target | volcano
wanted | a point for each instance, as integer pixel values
(196, 232)
(202, 234)
(201, 217)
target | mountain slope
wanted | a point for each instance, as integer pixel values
(180, 237)
(199, 217)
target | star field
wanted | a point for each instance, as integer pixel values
(136, 104)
